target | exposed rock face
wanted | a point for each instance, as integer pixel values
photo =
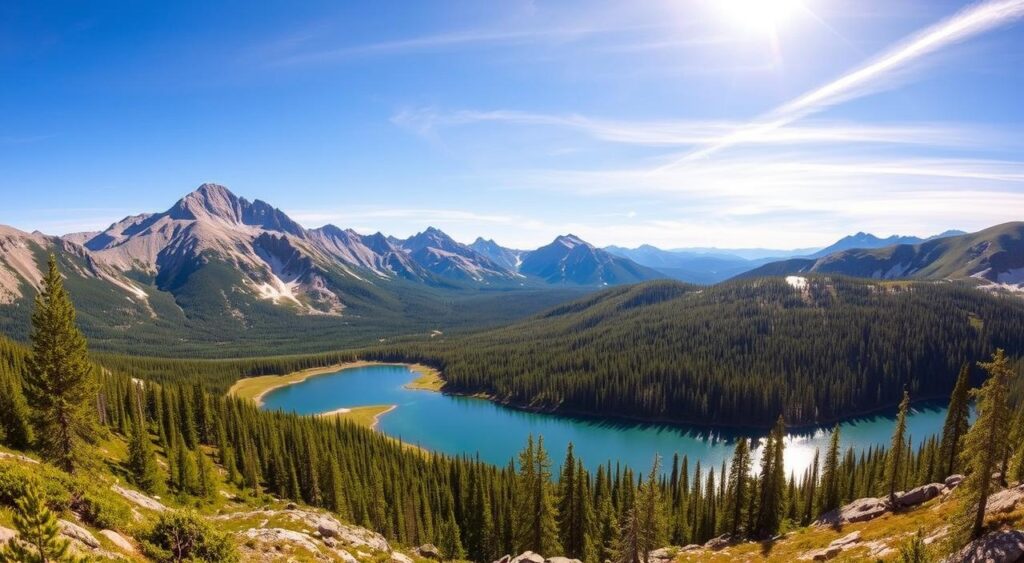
(528, 557)
(919, 495)
(397, 557)
(17, 457)
(663, 554)
(352, 536)
(860, 510)
(268, 544)
(76, 532)
(953, 481)
(6, 535)
(118, 540)
(1005, 501)
(720, 542)
(833, 549)
(139, 499)
(561, 560)
(333, 532)
(429, 551)
(997, 547)
(823, 554)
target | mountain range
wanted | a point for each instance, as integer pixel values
(216, 269)
(219, 260)
(995, 256)
(713, 265)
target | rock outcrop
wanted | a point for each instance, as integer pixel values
(953, 481)
(265, 544)
(528, 557)
(119, 541)
(333, 532)
(6, 535)
(78, 533)
(139, 499)
(1005, 501)
(860, 510)
(920, 495)
(429, 551)
(833, 549)
(997, 547)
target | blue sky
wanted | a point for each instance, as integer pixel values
(730, 123)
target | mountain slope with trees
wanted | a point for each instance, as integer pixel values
(735, 353)
(994, 255)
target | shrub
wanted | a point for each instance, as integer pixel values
(184, 536)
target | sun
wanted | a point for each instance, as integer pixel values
(758, 15)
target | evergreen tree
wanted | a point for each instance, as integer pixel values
(955, 427)
(15, 416)
(60, 383)
(206, 476)
(39, 539)
(335, 493)
(984, 446)
(143, 470)
(772, 482)
(831, 497)
(449, 540)
(739, 475)
(897, 451)
(537, 528)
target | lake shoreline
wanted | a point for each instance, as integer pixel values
(679, 424)
(432, 380)
(257, 387)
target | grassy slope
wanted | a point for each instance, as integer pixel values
(112, 453)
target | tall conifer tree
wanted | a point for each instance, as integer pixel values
(984, 446)
(60, 384)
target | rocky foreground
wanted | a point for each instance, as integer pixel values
(865, 529)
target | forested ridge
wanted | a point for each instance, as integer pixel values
(736, 353)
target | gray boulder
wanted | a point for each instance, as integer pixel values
(561, 560)
(721, 542)
(1005, 546)
(429, 551)
(1005, 501)
(139, 499)
(663, 554)
(528, 557)
(118, 540)
(953, 481)
(823, 554)
(860, 510)
(920, 495)
(76, 532)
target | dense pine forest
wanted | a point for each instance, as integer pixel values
(59, 405)
(736, 353)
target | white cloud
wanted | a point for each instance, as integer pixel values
(426, 121)
(874, 75)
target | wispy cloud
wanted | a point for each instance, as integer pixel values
(876, 74)
(442, 41)
(426, 121)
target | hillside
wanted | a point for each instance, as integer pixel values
(815, 350)
(995, 256)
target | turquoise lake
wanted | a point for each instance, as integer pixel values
(461, 425)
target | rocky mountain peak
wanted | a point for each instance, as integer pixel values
(213, 201)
